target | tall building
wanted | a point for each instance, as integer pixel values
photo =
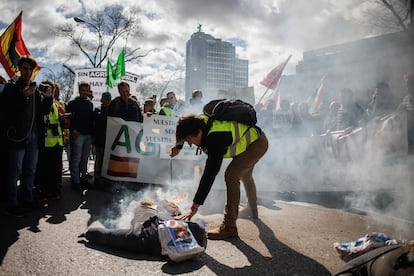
(212, 66)
(358, 65)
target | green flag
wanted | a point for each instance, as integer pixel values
(116, 71)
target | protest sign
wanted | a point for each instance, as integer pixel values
(135, 155)
(96, 77)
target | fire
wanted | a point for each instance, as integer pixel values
(180, 198)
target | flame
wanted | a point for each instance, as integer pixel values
(180, 198)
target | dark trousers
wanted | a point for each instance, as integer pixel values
(3, 176)
(49, 170)
(21, 164)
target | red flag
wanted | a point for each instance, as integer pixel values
(12, 47)
(271, 79)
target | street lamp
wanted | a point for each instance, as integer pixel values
(98, 30)
(79, 20)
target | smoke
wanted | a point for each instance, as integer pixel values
(297, 167)
(365, 170)
(125, 197)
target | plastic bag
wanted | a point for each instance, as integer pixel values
(350, 250)
(177, 241)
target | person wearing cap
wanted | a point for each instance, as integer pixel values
(149, 106)
(100, 119)
(48, 176)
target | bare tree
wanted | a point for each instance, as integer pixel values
(147, 88)
(110, 27)
(66, 79)
(390, 15)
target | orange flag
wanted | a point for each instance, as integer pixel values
(12, 47)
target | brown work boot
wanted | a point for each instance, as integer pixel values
(223, 232)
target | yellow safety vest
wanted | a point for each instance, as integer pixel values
(243, 135)
(52, 118)
(167, 110)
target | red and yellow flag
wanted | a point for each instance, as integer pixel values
(12, 47)
(315, 100)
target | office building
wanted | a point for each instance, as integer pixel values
(212, 66)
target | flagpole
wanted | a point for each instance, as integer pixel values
(275, 75)
(261, 98)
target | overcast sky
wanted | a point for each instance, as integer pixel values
(264, 31)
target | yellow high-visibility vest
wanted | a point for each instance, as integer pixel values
(243, 135)
(52, 118)
(167, 110)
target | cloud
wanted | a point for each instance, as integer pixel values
(265, 32)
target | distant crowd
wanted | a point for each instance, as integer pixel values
(342, 114)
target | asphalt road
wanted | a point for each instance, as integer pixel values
(289, 238)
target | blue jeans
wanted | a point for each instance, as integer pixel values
(22, 164)
(79, 157)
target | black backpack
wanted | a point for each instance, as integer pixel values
(230, 110)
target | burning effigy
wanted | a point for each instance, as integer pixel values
(154, 231)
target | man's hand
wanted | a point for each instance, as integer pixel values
(189, 215)
(29, 90)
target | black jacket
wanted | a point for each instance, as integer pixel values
(82, 115)
(100, 119)
(128, 112)
(21, 115)
(215, 145)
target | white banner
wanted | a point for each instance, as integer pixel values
(160, 129)
(133, 155)
(96, 77)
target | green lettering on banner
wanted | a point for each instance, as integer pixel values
(150, 148)
(123, 131)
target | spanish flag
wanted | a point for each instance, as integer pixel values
(12, 47)
(123, 166)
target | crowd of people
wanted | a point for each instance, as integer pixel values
(342, 114)
(37, 127)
